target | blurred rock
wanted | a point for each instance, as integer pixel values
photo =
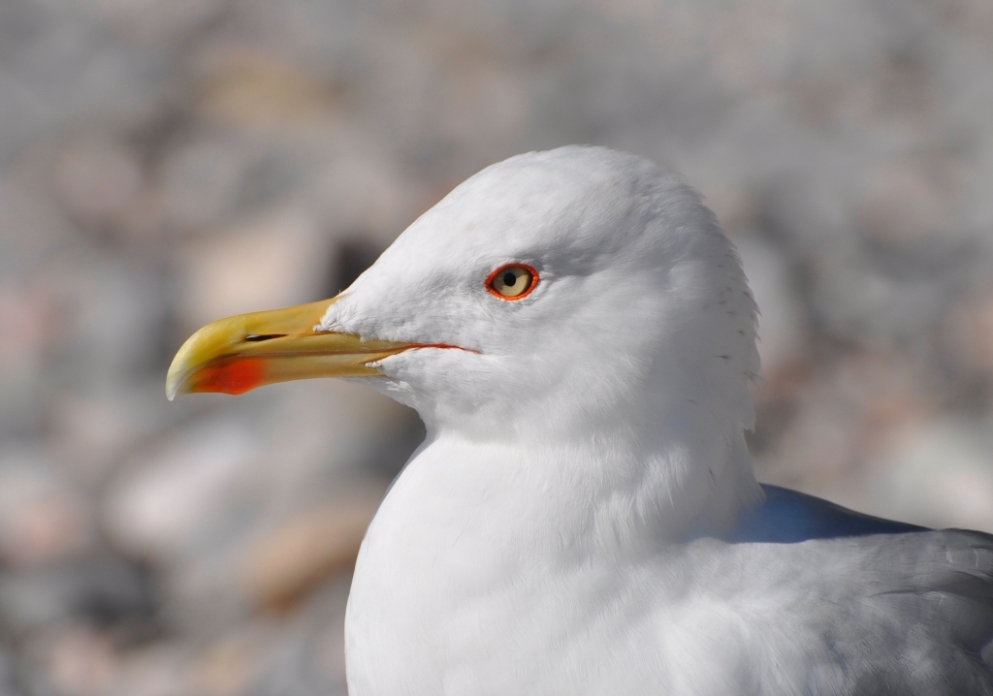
(101, 590)
(206, 502)
(110, 318)
(30, 324)
(41, 518)
(248, 88)
(365, 194)
(99, 181)
(91, 433)
(304, 653)
(905, 203)
(163, 506)
(165, 668)
(968, 332)
(32, 228)
(321, 431)
(11, 681)
(840, 418)
(230, 665)
(939, 475)
(290, 560)
(274, 260)
(61, 69)
(972, 17)
(157, 22)
(77, 660)
(202, 181)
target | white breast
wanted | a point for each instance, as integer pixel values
(469, 585)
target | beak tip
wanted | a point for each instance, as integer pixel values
(171, 388)
(179, 370)
(176, 376)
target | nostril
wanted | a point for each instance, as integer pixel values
(256, 338)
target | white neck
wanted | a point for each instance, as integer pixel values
(536, 500)
(470, 527)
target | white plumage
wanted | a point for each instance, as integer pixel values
(583, 517)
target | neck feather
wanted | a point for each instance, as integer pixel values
(592, 495)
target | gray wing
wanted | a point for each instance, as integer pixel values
(937, 590)
(903, 614)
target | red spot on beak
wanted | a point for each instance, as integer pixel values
(233, 376)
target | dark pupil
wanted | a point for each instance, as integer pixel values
(509, 278)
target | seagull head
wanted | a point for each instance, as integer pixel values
(573, 293)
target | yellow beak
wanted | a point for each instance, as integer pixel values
(238, 354)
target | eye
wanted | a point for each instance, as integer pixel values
(513, 282)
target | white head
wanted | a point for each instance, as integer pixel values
(640, 301)
(639, 326)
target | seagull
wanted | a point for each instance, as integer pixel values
(578, 336)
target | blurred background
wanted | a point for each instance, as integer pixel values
(164, 163)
